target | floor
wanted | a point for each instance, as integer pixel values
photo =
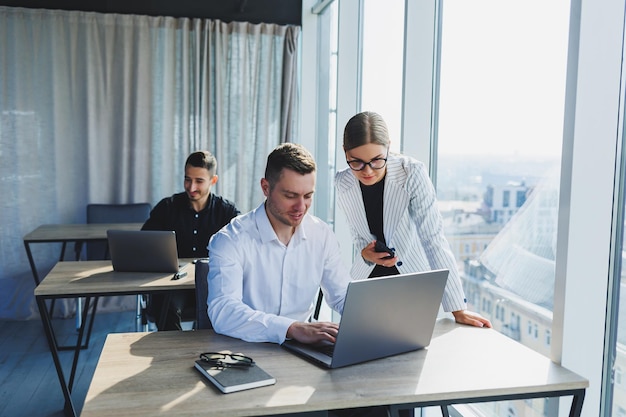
(29, 385)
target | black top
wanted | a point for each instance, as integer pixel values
(373, 201)
(193, 230)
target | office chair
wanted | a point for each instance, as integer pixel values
(318, 305)
(115, 213)
(202, 292)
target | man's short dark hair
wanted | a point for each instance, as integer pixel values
(202, 159)
(290, 156)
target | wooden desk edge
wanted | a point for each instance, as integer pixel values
(572, 385)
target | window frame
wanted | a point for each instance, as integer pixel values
(592, 112)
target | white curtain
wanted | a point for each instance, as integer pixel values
(105, 108)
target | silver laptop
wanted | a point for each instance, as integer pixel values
(143, 250)
(381, 317)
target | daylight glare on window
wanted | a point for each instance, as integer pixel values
(383, 41)
(500, 131)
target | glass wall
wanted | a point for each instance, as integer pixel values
(616, 369)
(618, 381)
(383, 45)
(500, 129)
(505, 145)
(500, 132)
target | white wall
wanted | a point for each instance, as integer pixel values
(587, 186)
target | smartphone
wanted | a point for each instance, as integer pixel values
(381, 247)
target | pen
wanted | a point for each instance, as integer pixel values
(179, 275)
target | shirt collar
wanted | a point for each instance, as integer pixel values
(266, 231)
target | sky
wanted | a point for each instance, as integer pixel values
(503, 68)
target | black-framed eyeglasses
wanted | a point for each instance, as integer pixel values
(376, 163)
(226, 360)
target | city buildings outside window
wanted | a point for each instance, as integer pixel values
(501, 109)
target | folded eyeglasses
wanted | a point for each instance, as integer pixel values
(226, 360)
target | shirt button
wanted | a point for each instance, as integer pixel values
(193, 249)
(195, 232)
(399, 263)
(196, 215)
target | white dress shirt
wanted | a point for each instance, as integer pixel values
(258, 286)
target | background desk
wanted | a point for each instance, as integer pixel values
(151, 374)
(64, 233)
(92, 279)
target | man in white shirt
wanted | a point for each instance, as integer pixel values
(266, 266)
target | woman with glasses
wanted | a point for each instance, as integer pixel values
(390, 205)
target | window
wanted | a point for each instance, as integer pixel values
(520, 199)
(496, 141)
(382, 63)
(501, 109)
(500, 312)
(515, 321)
(619, 268)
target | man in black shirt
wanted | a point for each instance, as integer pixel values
(195, 215)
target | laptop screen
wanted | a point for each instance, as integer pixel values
(143, 250)
(384, 316)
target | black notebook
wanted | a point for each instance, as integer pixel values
(235, 379)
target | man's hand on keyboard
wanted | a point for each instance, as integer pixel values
(313, 332)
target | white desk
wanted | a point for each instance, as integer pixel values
(152, 374)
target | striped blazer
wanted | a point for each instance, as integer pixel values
(412, 224)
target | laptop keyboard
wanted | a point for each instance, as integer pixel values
(326, 349)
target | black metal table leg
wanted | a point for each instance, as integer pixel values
(81, 332)
(577, 404)
(47, 326)
(167, 299)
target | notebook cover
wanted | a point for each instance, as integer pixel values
(235, 379)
